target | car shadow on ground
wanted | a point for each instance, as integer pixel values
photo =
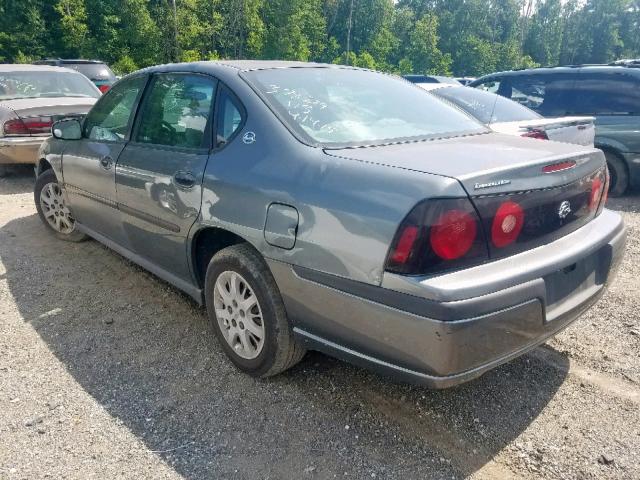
(142, 350)
(19, 179)
(630, 202)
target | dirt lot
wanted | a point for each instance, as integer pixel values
(107, 372)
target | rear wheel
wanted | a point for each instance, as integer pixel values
(52, 209)
(247, 315)
(619, 175)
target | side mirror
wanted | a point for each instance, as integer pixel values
(67, 130)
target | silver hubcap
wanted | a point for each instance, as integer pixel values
(54, 209)
(239, 314)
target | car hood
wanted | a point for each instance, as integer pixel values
(28, 107)
(484, 163)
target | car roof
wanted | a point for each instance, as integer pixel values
(627, 68)
(24, 67)
(68, 60)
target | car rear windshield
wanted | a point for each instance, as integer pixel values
(95, 71)
(339, 107)
(36, 84)
(487, 107)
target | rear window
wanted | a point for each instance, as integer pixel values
(38, 84)
(95, 71)
(339, 107)
(487, 107)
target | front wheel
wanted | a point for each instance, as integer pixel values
(247, 315)
(53, 211)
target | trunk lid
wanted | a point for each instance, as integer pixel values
(49, 106)
(497, 169)
(577, 130)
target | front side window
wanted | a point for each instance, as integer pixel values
(230, 118)
(44, 84)
(176, 111)
(110, 119)
(486, 107)
(338, 107)
(607, 94)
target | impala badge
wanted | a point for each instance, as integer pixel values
(564, 210)
(497, 183)
(248, 138)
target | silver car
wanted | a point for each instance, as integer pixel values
(31, 99)
(336, 209)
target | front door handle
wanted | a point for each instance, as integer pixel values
(106, 162)
(184, 179)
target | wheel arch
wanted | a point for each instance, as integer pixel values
(42, 166)
(206, 242)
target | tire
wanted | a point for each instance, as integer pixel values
(619, 175)
(63, 223)
(278, 349)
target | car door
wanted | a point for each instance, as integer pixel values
(89, 163)
(159, 173)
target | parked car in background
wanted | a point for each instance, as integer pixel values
(465, 80)
(95, 70)
(430, 79)
(506, 116)
(333, 208)
(611, 93)
(31, 99)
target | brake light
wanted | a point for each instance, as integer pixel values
(596, 193)
(28, 126)
(536, 133)
(605, 191)
(559, 167)
(507, 224)
(438, 235)
(104, 88)
(453, 234)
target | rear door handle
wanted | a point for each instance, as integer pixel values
(184, 179)
(106, 162)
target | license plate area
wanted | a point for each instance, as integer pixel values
(575, 284)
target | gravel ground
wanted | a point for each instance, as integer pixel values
(107, 372)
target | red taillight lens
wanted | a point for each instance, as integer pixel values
(507, 224)
(438, 235)
(15, 127)
(28, 126)
(537, 134)
(596, 193)
(453, 234)
(104, 88)
(403, 249)
(559, 167)
(605, 191)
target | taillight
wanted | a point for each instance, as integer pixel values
(104, 88)
(605, 190)
(507, 224)
(536, 133)
(596, 193)
(438, 235)
(15, 127)
(28, 126)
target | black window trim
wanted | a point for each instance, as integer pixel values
(222, 87)
(134, 110)
(206, 140)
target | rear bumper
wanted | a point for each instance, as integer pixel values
(20, 150)
(450, 329)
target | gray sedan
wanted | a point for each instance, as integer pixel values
(337, 209)
(31, 99)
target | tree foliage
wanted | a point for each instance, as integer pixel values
(463, 37)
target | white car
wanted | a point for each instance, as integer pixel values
(506, 116)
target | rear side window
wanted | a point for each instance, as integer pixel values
(95, 71)
(229, 117)
(176, 111)
(110, 118)
(607, 94)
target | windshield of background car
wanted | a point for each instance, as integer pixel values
(340, 107)
(95, 71)
(487, 107)
(40, 84)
